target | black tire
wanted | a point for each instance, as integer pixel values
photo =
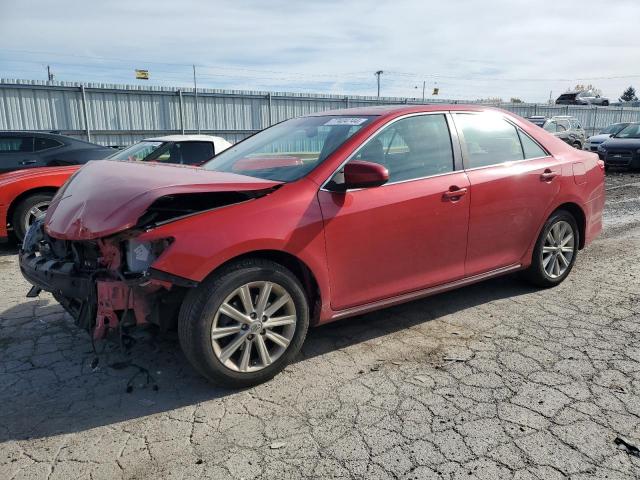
(577, 145)
(201, 304)
(536, 273)
(605, 103)
(21, 212)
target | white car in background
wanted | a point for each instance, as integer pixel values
(180, 149)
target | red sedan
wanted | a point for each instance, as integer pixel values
(317, 218)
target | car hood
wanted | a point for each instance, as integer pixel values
(107, 197)
(602, 137)
(624, 143)
(16, 175)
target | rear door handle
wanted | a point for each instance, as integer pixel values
(548, 175)
(454, 193)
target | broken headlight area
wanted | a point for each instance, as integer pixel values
(170, 208)
(106, 284)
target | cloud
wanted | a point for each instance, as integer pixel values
(469, 49)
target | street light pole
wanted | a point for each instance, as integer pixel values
(377, 74)
(424, 84)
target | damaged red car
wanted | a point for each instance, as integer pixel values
(314, 219)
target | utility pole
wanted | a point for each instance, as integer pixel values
(424, 84)
(49, 74)
(377, 74)
(195, 96)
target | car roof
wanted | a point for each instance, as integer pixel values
(219, 142)
(56, 136)
(183, 138)
(380, 110)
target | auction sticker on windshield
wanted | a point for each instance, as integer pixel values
(346, 121)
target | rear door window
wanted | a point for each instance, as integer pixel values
(42, 143)
(530, 148)
(488, 139)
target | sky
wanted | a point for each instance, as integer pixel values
(468, 49)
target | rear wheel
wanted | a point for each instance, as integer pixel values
(29, 210)
(577, 145)
(555, 251)
(244, 324)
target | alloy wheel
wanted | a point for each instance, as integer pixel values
(36, 212)
(253, 326)
(558, 249)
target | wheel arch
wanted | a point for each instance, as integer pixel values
(297, 266)
(27, 193)
(576, 211)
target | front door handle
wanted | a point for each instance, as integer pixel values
(28, 162)
(454, 193)
(548, 175)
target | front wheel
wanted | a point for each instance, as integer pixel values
(29, 210)
(245, 323)
(555, 251)
(577, 145)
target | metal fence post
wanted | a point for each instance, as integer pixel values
(595, 119)
(621, 110)
(346, 102)
(85, 113)
(269, 106)
(181, 111)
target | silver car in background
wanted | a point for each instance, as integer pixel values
(594, 141)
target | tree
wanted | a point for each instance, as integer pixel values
(629, 95)
(585, 88)
(515, 100)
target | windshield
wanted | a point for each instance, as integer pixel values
(289, 150)
(632, 131)
(137, 151)
(550, 126)
(613, 129)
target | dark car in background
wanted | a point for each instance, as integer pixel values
(566, 128)
(20, 150)
(594, 141)
(586, 97)
(622, 149)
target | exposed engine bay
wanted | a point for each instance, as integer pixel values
(104, 284)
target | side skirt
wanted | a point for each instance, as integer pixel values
(407, 297)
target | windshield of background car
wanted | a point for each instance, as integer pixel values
(632, 131)
(289, 150)
(612, 129)
(137, 151)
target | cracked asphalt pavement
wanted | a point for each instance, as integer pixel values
(497, 380)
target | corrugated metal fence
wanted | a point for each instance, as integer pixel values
(123, 114)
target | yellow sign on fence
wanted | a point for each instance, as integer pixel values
(142, 74)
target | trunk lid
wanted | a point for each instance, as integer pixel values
(106, 197)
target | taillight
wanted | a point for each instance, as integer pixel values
(601, 164)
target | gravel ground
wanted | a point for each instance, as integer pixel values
(494, 381)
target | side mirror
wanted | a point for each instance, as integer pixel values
(363, 174)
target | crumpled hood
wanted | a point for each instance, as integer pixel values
(107, 197)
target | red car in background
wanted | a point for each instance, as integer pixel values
(315, 219)
(25, 195)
